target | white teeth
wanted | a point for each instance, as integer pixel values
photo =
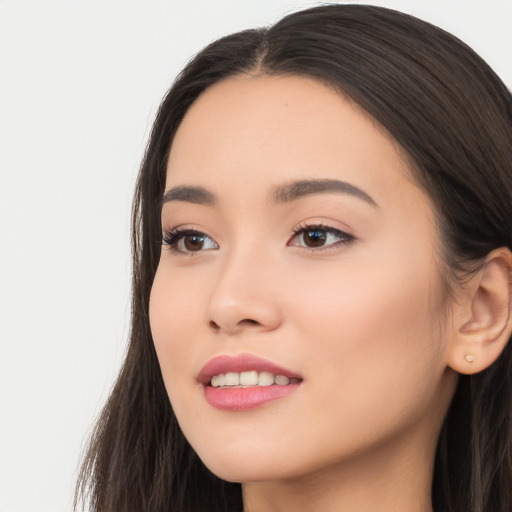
(265, 379)
(249, 378)
(218, 380)
(232, 379)
(281, 380)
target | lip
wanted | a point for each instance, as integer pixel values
(241, 363)
(244, 398)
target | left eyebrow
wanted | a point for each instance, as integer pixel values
(299, 189)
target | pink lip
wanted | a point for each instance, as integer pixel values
(243, 399)
(240, 363)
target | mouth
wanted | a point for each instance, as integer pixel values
(243, 382)
(249, 379)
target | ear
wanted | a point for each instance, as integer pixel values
(483, 318)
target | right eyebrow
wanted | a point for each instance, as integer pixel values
(197, 195)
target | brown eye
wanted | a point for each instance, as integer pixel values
(320, 237)
(188, 241)
(193, 242)
(314, 237)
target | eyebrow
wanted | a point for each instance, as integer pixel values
(299, 189)
(281, 194)
(197, 195)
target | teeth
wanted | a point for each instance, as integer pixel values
(250, 378)
(232, 379)
(218, 380)
(265, 379)
(281, 380)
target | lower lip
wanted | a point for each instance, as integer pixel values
(244, 399)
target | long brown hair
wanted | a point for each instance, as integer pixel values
(453, 116)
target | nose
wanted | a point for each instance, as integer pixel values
(244, 297)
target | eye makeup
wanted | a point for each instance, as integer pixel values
(312, 237)
(320, 237)
(187, 241)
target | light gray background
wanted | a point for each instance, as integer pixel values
(80, 82)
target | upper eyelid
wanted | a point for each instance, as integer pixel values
(303, 226)
(184, 231)
(313, 225)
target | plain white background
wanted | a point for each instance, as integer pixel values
(80, 84)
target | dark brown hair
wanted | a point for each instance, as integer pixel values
(453, 117)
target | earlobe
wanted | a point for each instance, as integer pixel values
(485, 324)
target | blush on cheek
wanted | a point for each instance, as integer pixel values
(373, 316)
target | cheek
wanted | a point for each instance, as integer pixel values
(174, 315)
(372, 332)
(362, 297)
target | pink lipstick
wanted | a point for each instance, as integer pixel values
(244, 381)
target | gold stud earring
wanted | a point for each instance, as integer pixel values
(469, 358)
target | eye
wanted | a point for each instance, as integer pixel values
(188, 241)
(319, 236)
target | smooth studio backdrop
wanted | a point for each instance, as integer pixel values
(80, 82)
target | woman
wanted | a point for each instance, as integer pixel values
(321, 308)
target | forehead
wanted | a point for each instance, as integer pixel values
(255, 131)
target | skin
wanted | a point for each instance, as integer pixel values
(364, 323)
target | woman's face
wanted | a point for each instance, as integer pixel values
(297, 245)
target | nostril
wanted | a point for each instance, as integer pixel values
(249, 321)
(214, 325)
(245, 322)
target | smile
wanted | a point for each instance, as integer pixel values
(248, 379)
(243, 382)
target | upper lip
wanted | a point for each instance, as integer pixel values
(240, 363)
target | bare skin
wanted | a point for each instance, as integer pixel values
(342, 286)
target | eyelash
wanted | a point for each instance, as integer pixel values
(345, 238)
(174, 236)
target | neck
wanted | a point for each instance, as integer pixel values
(398, 479)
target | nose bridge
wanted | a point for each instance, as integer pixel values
(243, 295)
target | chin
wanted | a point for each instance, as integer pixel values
(253, 464)
(240, 462)
(234, 471)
